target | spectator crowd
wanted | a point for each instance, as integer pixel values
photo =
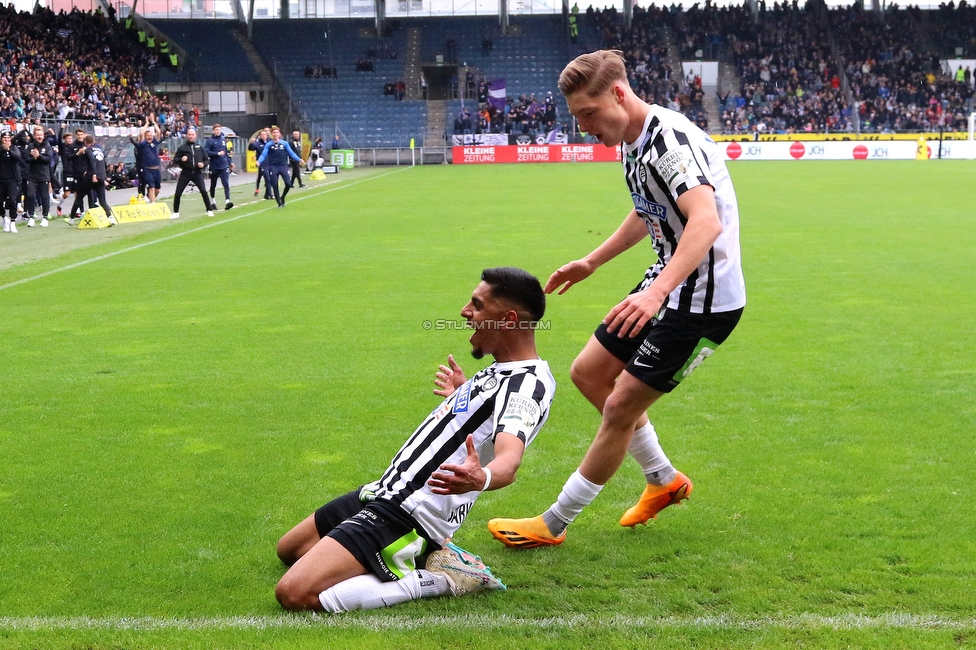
(796, 68)
(813, 69)
(76, 66)
(522, 115)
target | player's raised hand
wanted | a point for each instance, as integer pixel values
(458, 479)
(448, 379)
(568, 275)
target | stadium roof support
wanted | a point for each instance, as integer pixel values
(379, 7)
(628, 13)
(503, 15)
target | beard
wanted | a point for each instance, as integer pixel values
(477, 353)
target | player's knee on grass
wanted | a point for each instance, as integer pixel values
(298, 541)
(286, 551)
(294, 597)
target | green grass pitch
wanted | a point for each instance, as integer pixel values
(176, 397)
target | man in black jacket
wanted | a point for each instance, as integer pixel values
(9, 181)
(52, 140)
(97, 178)
(192, 160)
(76, 161)
(81, 168)
(296, 168)
(257, 145)
(69, 151)
(22, 141)
(90, 175)
(39, 157)
(138, 166)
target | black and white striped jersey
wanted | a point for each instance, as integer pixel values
(510, 398)
(670, 157)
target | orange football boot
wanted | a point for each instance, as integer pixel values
(656, 498)
(523, 533)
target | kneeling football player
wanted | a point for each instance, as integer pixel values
(388, 542)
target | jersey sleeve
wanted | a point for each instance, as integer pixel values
(677, 163)
(291, 152)
(520, 406)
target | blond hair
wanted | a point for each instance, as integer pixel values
(593, 73)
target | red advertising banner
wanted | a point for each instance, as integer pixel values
(531, 153)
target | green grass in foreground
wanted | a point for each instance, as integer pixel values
(172, 410)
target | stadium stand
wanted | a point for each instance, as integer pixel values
(528, 57)
(353, 100)
(951, 30)
(787, 78)
(214, 54)
(895, 77)
(74, 66)
(807, 69)
(787, 68)
(650, 60)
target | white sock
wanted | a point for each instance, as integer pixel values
(576, 495)
(646, 450)
(369, 592)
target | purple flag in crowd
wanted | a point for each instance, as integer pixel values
(496, 93)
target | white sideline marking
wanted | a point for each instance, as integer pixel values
(898, 621)
(212, 224)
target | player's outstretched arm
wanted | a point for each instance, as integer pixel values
(471, 476)
(701, 230)
(448, 379)
(630, 232)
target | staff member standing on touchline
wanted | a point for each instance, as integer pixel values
(192, 160)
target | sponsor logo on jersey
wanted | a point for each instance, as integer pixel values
(522, 410)
(677, 166)
(464, 394)
(649, 208)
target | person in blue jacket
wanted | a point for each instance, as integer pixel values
(276, 153)
(216, 148)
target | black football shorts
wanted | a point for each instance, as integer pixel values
(381, 537)
(670, 346)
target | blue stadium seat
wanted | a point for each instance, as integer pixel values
(214, 55)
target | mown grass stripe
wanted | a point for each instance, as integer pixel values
(895, 620)
(213, 224)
